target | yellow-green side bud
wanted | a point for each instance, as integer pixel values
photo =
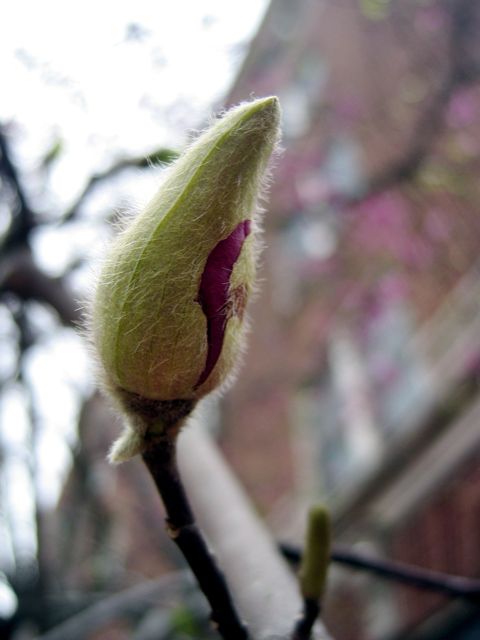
(168, 316)
(316, 555)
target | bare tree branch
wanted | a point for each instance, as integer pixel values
(161, 156)
(20, 275)
(130, 602)
(23, 217)
(160, 459)
(449, 585)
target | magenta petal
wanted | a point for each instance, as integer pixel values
(213, 294)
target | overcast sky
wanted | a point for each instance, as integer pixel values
(116, 75)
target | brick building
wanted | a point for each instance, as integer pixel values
(360, 387)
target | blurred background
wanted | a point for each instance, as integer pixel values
(361, 384)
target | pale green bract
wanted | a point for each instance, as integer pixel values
(158, 344)
(316, 554)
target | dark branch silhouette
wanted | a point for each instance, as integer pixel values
(160, 459)
(161, 156)
(413, 576)
(23, 217)
(127, 603)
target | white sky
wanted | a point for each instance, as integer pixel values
(69, 72)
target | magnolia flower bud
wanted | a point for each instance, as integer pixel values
(168, 318)
(316, 556)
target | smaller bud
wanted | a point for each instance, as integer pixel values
(316, 555)
(168, 317)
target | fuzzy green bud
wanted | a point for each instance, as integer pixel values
(316, 555)
(168, 317)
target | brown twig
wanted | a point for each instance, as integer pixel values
(450, 585)
(304, 627)
(160, 459)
